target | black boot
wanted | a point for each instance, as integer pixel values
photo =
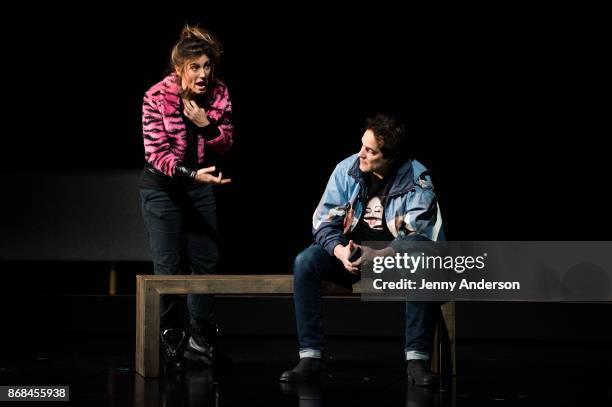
(171, 343)
(306, 369)
(201, 345)
(420, 374)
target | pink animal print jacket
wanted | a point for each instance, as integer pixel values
(164, 130)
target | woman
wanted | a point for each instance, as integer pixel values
(186, 117)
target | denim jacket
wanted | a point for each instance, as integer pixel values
(411, 208)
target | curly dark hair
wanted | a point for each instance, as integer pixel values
(390, 135)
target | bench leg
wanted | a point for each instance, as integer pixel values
(435, 357)
(147, 328)
(443, 357)
(112, 279)
(448, 318)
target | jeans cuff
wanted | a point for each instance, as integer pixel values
(310, 353)
(415, 354)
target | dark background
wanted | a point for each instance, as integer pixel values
(506, 112)
(505, 108)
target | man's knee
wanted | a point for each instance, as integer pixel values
(306, 263)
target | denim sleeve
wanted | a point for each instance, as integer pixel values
(422, 220)
(328, 219)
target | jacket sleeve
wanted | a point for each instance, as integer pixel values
(422, 220)
(219, 134)
(156, 141)
(328, 219)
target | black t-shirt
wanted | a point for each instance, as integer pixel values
(372, 226)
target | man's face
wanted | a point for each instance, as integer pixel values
(370, 157)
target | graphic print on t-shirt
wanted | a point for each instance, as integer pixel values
(374, 213)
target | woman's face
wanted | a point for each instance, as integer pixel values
(196, 75)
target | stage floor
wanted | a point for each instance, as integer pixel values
(360, 372)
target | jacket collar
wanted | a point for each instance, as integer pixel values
(403, 182)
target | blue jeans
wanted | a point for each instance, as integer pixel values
(312, 266)
(182, 229)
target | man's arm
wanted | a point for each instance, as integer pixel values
(422, 220)
(328, 219)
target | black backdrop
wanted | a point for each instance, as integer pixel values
(505, 111)
(505, 108)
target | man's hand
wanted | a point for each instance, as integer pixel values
(367, 255)
(195, 113)
(343, 253)
(205, 176)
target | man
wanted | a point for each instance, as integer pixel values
(376, 195)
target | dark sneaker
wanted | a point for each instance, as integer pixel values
(202, 342)
(307, 369)
(420, 374)
(171, 343)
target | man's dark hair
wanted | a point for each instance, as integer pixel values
(390, 135)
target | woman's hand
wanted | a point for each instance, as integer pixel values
(195, 113)
(205, 176)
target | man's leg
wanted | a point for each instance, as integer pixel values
(421, 318)
(312, 266)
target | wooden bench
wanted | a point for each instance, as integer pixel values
(149, 288)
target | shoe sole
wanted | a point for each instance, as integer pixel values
(287, 380)
(413, 382)
(197, 357)
(305, 379)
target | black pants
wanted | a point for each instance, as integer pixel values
(182, 228)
